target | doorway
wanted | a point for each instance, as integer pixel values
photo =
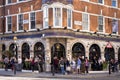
(58, 50)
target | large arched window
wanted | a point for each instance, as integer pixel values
(25, 51)
(94, 52)
(58, 50)
(78, 50)
(39, 49)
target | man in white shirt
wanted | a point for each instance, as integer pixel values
(19, 63)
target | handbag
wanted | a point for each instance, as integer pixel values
(68, 68)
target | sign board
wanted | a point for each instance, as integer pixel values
(78, 23)
(109, 45)
(25, 21)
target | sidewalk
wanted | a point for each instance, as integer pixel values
(30, 74)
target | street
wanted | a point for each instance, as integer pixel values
(117, 77)
(114, 76)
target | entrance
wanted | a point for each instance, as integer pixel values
(78, 50)
(25, 55)
(39, 50)
(13, 49)
(94, 52)
(58, 50)
(25, 51)
(94, 57)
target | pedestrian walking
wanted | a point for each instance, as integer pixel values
(6, 62)
(86, 64)
(73, 65)
(40, 63)
(68, 68)
(62, 65)
(32, 63)
(19, 63)
(78, 65)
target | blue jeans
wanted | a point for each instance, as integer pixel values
(62, 70)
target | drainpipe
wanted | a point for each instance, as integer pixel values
(3, 20)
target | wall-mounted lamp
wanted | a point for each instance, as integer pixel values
(65, 27)
(13, 31)
(78, 30)
(117, 36)
(25, 30)
(95, 32)
(38, 29)
(110, 35)
(49, 27)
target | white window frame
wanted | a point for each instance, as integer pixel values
(18, 23)
(30, 21)
(7, 23)
(7, 2)
(116, 3)
(117, 26)
(45, 16)
(103, 31)
(59, 26)
(84, 21)
(69, 27)
(102, 2)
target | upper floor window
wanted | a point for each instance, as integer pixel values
(45, 17)
(9, 24)
(20, 22)
(101, 1)
(69, 18)
(21, 0)
(85, 21)
(58, 17)
(100, 24)
(114, 26)
(8, 1)
(32, 20)
(114, 3)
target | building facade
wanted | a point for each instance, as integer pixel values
(62, 28)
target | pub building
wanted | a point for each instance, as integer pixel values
(62, 28)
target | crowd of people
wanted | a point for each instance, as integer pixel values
(76, 65)
(34, 63)
(62, 65)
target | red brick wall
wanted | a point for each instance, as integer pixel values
(77, 16)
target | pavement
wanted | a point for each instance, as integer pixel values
(35, 74)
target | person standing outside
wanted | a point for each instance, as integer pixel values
(40, 63)
(62, 65)
(20, 63)
(86, 64)
(73, 65)
(6, 62)
(78, 65)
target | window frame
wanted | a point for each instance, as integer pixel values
(84, 21)
(113, 26)
(69, 18)
(18, 22)
(45, 16)
(8, 23)
(99, 24)
(116, 5)
(30, 27)
(57, 26)
(101, 2)
(7, 2)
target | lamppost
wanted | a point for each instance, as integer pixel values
(15, 46)
(15, 53)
